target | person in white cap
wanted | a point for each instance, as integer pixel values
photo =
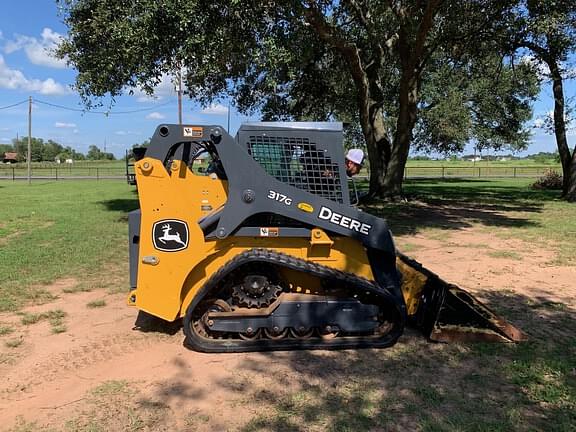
(354, 160)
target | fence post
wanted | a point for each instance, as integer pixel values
(97, 174)
(443, 172)
(13, 176)
(405, 172)
(514, 172)
(56, 173)
(479, 171)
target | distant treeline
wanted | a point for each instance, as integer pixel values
(542, 157)
(51, 151)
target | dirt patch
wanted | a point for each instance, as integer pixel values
(6, 239)
(149, 381)
(499, 271)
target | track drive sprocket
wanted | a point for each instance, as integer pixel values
(255, 287)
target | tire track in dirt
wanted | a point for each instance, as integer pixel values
(75, 360)
(55, 373)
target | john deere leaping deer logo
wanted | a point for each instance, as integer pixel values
(170, 235)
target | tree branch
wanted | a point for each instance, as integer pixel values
(362, 16)
(330, 35)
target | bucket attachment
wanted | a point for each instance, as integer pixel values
(447, 313)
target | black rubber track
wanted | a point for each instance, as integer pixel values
(366, 290)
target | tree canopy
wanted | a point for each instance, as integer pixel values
(547, 29)
(94, 153)
(433, 73)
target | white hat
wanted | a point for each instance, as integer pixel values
(355, 155)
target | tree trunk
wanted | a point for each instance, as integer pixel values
(407, 113)
(567, 158)
(569, 187)
(388, 161)
(377, 143)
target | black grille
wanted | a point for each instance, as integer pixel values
(299, 163)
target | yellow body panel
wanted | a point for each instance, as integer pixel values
(168, 281)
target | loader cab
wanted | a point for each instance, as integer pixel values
(305, 155)
(200, 158)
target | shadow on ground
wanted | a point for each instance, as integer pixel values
(121, 205)
(454, 205)
(147, 323)
(415, 385)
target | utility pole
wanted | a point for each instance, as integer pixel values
(180, 95)
(228, 130)
(30, 140)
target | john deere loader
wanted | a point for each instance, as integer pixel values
(252, 241)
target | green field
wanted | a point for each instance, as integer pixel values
(51, 230)
(54, 230)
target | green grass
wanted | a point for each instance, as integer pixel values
(5, 329)
(111, 388)
(510, 208)
(14, 343)
(57, 229)
(505, 254)
(96, 304)
(54, 317)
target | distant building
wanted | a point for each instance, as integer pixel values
(472, 158)
(10, 157)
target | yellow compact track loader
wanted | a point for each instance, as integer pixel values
(253, 242)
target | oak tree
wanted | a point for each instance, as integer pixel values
(370, 62)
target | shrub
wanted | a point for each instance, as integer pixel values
(550, 180)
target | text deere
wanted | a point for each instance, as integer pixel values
(343, 221)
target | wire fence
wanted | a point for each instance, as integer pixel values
(479, 171)
(412, 172)
(64, 173)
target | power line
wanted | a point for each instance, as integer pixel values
(13, 105)
(107, 113)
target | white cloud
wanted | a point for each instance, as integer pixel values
(126, 132)
(217, 109)
(48, 87)
(39, 51)
(63, 125)
(14, 79)
(155, 116)
(543, 71)
(541, 68)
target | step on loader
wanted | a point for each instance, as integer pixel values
(252, 241)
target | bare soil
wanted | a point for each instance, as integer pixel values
(100, 374)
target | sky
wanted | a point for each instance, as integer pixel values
(30, 28)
